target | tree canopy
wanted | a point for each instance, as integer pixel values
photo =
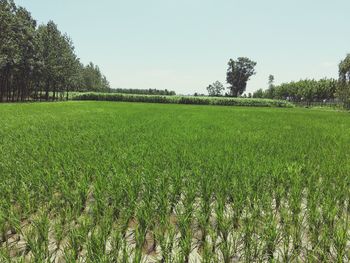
(344, 69)
(216, 89)
(343, 91)
(310, 89)
(307, 90)
(39, 62)
(238, 73)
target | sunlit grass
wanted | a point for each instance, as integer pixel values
(107, 181)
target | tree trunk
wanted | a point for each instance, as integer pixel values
(47, 90)
(67, 93)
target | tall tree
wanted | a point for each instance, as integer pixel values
(26, 27)
(344, 70)
(51, 47)
(343, 90)
(9, 54)
(40, 59)
(271, 80)
(271, 88)
(238, 73)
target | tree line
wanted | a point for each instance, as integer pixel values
(38, 62)
(302, 90)
(239, 72)
(311, 90)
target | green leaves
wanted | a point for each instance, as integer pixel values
(238, 73)
(40, 62)
(307, 90)
(215, 89)
(113, 182)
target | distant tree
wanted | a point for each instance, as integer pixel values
(215, 89)
(343, 90)
(258, 94)
(105, 83)
(93, 80)
(238, 73)
(211, 90)
(271, 80)
(270, 92)
(344, 70)
(306, 90)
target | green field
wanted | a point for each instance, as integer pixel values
(113, 181)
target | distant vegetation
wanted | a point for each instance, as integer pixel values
(238, 73)
(145, 91)
(216, 89)
(311, 90)
(183, 100)
(39, 62)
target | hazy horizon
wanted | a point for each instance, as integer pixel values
(185, 45)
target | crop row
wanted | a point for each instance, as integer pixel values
(183, 100)
(108, 182)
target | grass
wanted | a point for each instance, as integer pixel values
(107, 182)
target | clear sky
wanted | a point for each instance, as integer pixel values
(184, 45)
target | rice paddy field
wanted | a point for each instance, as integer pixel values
(133, 182)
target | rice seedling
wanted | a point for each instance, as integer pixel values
(135, 182)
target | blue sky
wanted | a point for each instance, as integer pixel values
(184, 45)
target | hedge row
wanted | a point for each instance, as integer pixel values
(183, 100)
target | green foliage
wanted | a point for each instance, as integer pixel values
(271, 80)
(92, 79)
(303, 90)
(312, 90)
(145, 91)
(238, 73)
(344, 70)
(343, 91)
(224, 101)
(216, 89)
(129, 182)
(39, 62)
(258, 93)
